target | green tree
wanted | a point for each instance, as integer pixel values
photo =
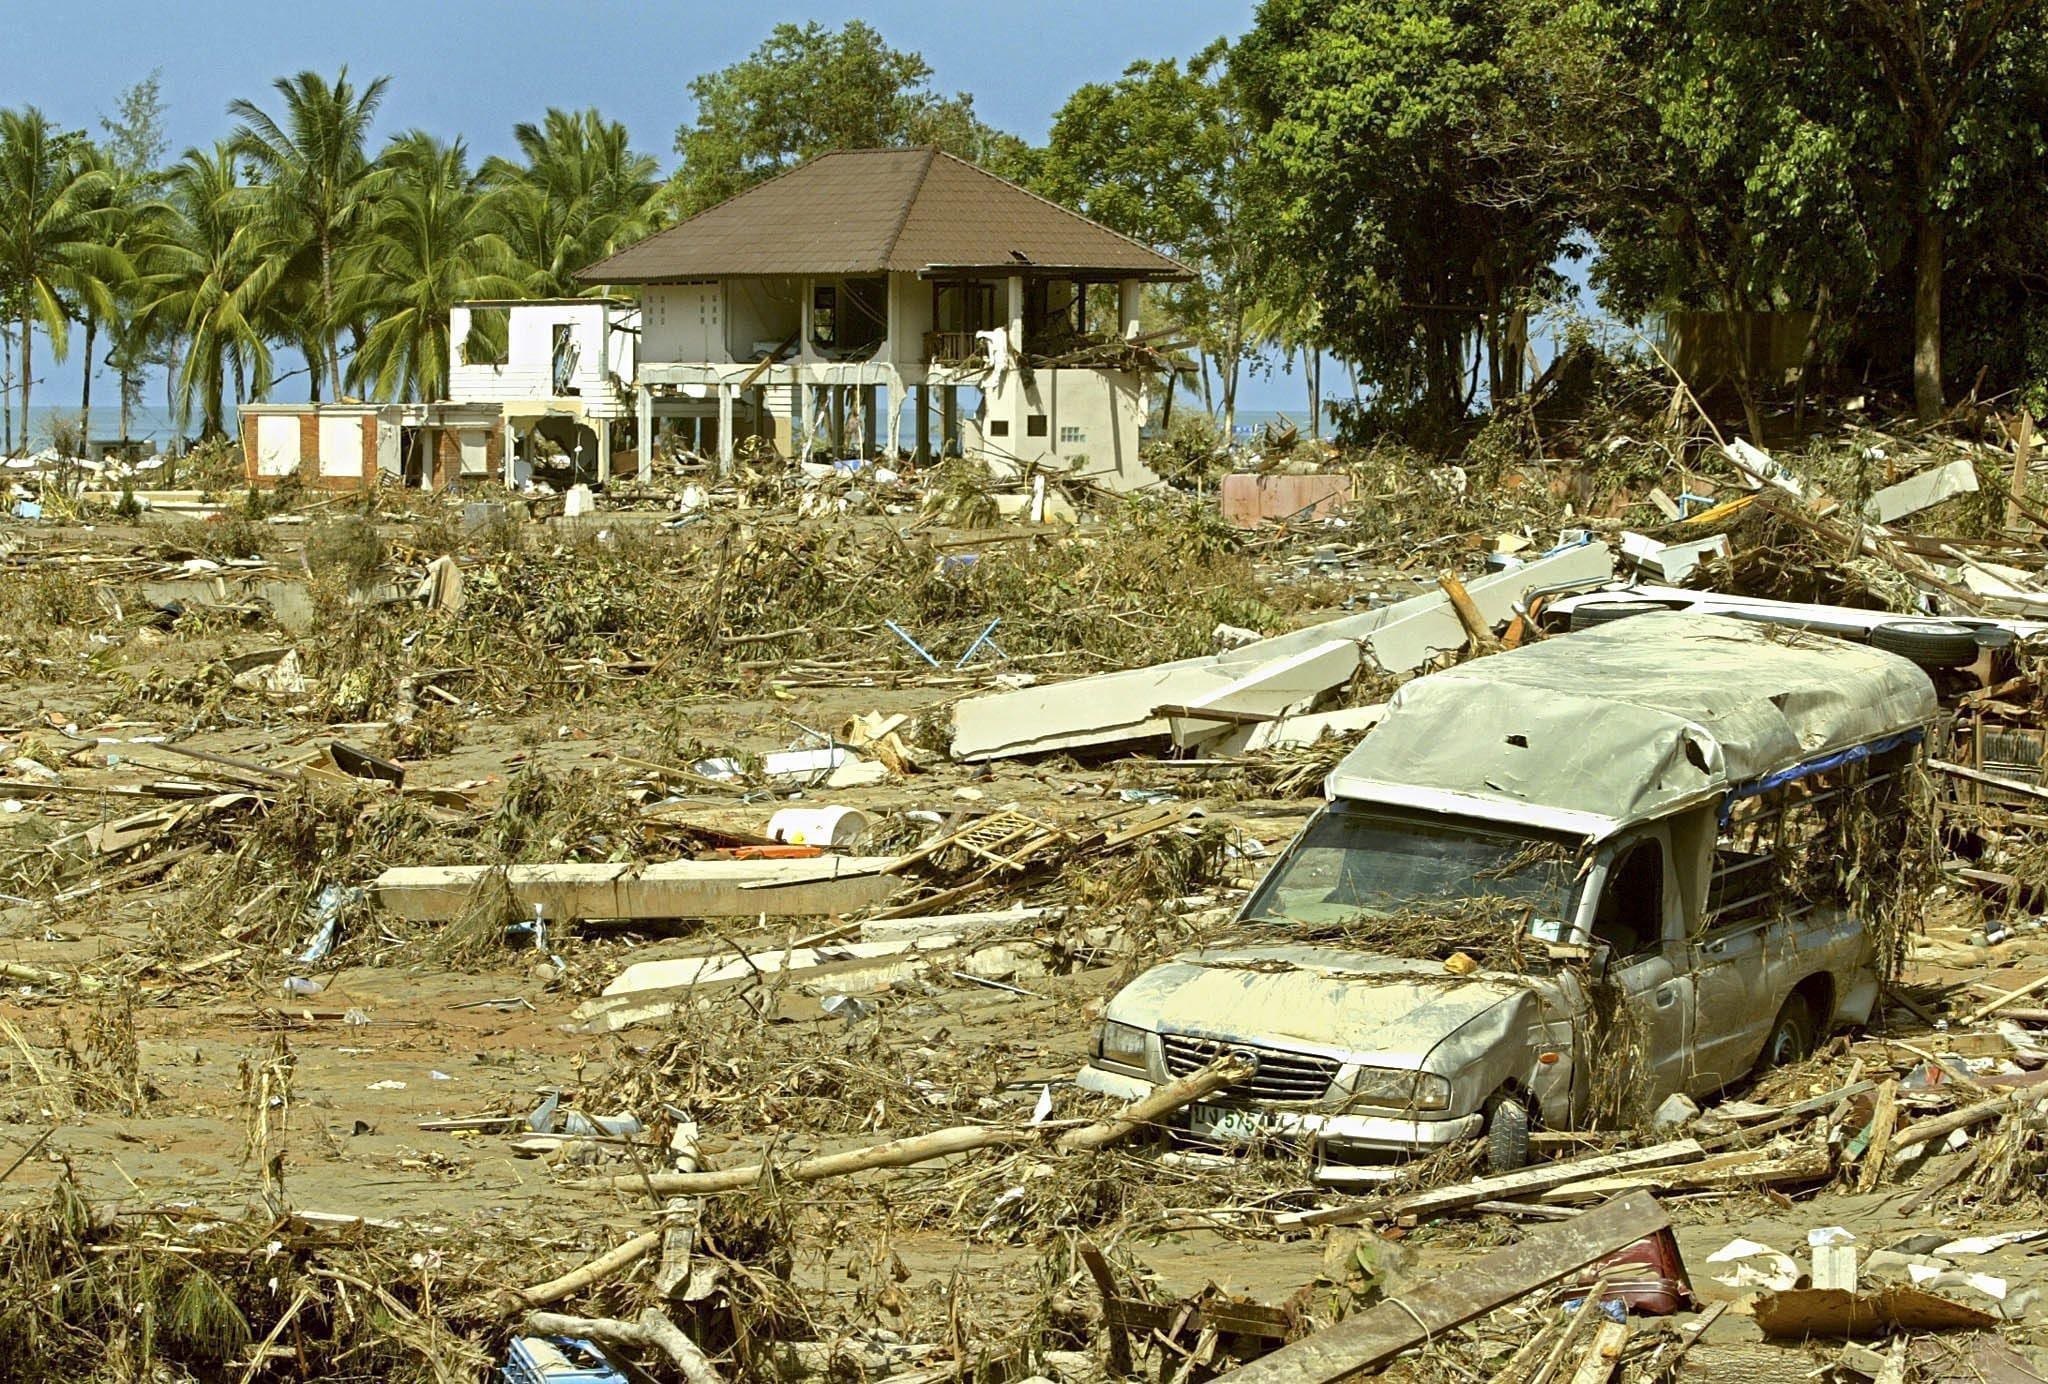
(1377, 130)
(52, 215)
(135, 146)
(319, 185)
(430, 246)
(577, 193)
(810, 90)
(207, 276)
(1967, 79)
(1163, 155)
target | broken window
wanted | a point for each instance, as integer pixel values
(562, 354)
(1629, 918)
(489, 338)
(1350, 863)
(1796, 846)
(850, 317)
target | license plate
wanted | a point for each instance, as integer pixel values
(1225, 1124)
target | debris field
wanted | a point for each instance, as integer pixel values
(434, 927)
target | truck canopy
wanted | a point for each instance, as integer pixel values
(1628, 721)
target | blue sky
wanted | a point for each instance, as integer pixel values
(476, 69)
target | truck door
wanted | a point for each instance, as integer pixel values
(1730, 963)
(1637, 920)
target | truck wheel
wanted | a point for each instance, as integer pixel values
(1929, 643)
(1507, 1134)
(1791, 1035)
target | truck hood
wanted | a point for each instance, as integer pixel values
(1352, 1005)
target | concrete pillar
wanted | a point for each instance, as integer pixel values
(1016, 314)
(949, 419)
(643, 412)
(837, 399)
(725, 448)
(604, 450)
(870, 406)
(1129, 292)
(923, 397)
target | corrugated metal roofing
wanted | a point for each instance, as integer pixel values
(864, 211)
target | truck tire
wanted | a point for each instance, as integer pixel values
(1585, 617)
(1507, 1134)
(1791, 1035)
(1929, 643)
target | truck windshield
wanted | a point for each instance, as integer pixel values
(1352, 865)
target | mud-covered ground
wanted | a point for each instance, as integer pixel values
(164, 1061)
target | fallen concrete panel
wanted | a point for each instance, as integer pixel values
(1110, 708)
(1923, 491)
(1273, 689)
(1290, 731)
(1672, 561)
(674, 889)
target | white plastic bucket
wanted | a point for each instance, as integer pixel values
(837, 827)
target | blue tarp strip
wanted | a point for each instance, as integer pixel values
(1853, 755)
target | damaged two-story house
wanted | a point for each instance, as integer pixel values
(867, 298)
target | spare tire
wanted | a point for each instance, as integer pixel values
(1929, 643)
(1584, 617)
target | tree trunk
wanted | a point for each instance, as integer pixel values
(327, 313)
(27, 369)
(1315, 393)
(85, 389)
(1927, 392)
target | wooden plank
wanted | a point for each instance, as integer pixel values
(1603, 1353)
(1884, 1122)
(673, 889)
(1369, 1339)
(1989, 780)
(1503, 1186)
(1728, 1173)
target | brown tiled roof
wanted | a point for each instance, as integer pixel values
(863, 211)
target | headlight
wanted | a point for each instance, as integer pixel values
(1399, 1088)
(1123, 1044)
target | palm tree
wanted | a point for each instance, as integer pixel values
(579, 193)
(209, 278)
(320, 181)
(430, 246)
(51, 226)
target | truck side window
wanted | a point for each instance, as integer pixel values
(1630, 915)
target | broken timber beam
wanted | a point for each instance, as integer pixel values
(1370, 1339)
(1503, 1186)
(673, 889)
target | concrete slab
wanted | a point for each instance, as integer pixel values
(1923, 491)
(1112, 708)
(674, 889)
(1245, 501)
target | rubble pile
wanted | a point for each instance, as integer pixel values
(668, 926)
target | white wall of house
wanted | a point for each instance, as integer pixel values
(684, 321)
(1084, 422)
(601, 335)
(341, 444)
(277, 444)
(910, 317)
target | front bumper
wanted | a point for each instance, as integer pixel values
(1341, 1134)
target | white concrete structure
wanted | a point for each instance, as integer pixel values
(837, 307)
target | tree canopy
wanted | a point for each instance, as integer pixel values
(809, 90)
